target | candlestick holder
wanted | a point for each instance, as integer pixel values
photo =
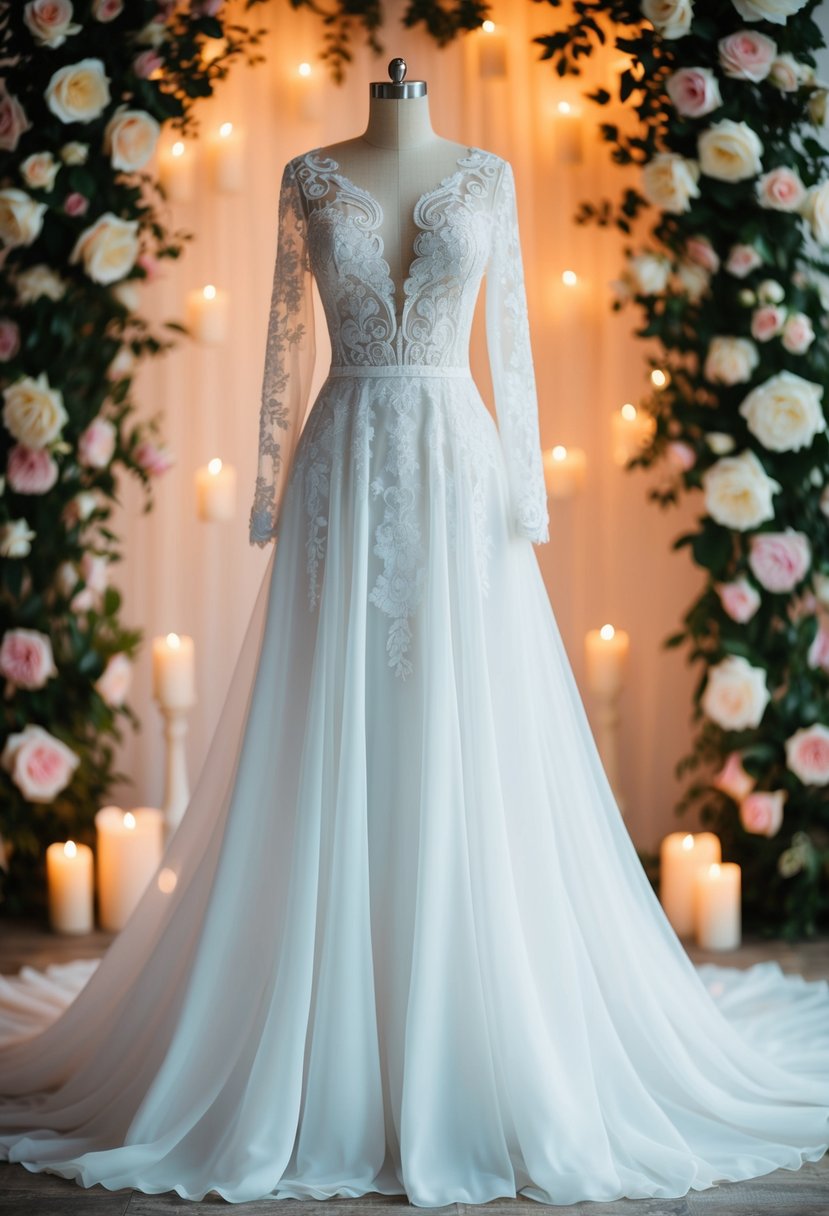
(607, 738)
(176, 782)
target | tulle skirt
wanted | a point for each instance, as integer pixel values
(410, 947)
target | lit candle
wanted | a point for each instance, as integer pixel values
(632, 430)
(717, 919)
(568, 134)
(607, 650)
(70, 884)
(308, 97)
(216, 491)
(174, 677)
(564, 470)
(176, 164)
(492, 51)
(207, 315)
(229, 159)
(681, 854)
(130, 845)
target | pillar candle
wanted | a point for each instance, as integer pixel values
(564, 470)
(216, 491)
(130, 845)
(492, 52)
(681, 854)
(717, 897)
(229, 159)
(568, 135)
(632, 430)
(70, 884)
(307, 93)
(176, 166)
(174, 684)
(607, 650)
(207, 315)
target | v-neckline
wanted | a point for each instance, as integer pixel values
(445, 182)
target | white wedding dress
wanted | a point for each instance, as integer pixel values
(410, 947)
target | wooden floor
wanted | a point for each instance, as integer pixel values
(803, 1192)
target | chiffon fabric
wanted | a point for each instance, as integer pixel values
(410, 947)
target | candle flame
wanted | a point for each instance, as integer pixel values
(564, 107)
(659, 378)
(209, 292)
(607, 632)
(714, 869)
(173, 641)
(488, 26)
(214, 466)
(688, 841)
(70, 849)
(226, 130)
(569, 278)
(177, 148)
(629, 411)
(304, 69)
(167, 880)
(559, 452)
(129, 820)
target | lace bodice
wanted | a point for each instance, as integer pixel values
(330, 231)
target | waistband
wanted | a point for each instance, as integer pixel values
(395, 369)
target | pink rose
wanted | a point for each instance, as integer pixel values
(150, 266)
(113, 683)
(146, 63)
(733, 780)
(96, 444)
(49, 21)
(13, 120)
(798, 333)
(807, 754)
(9, 339)
(742, 259)
(30, 470)
(26, 658)
(681, 455)
(694, 91)
(94, 572)
(76, 204)
(781, 189)
(818, 656)
(767, 322)
(154, 460)
(779, 560)
(762, 813)
(740, 600)
(40, 765)
(747, 55)
(107, 10)
(700, 250)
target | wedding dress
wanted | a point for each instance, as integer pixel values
(401, 940)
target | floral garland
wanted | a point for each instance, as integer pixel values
(89, 86)
(732, 283)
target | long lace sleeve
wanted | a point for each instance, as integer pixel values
(289, 361)
(511, 364)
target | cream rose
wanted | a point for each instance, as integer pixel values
(720, 443)
(693, 279)
(735, 695)
(50, 21)
(738, 492)
(771, 292)
(740, 600)
(786, 74)
(130, 139)
(670, 18)
(779, 560)
(781, 190)
(26, 658)
(39, 171)
(37, 281)
(730, 360)
(807, 754)
(16, 538)
(21, 218)
(74, 153)
(816, 210)
(33, 411)
(79, 92)
(649, 273)
(670, 181)
(730, 151)
(785, 412)
(742, 259)
(798, 333)
(113, 684)
(39, 764)
(733, 780)
(13, 120)
(818, 108)
(694, 91)
(762, 812)
(108, 249)
(747, 55)
(776, 11)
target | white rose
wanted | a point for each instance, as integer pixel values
(807, 754)
(798, 333)
(39, 281)
(670, 181)
(15, 538)
(670, 18)
(816, 210)
(730, 360)
(720, 443)
(693, 279)
(33, 411)
(21, 218)
(74, 153)
(776, 11)
(49, 21)
(79, 92)
(730, 151)
(786, 74)
(650, 272)
(738, 492)
(785, 412)
(113, 683)
(39, 170)
(130, 139)
(771, 292)
(108, 249)
(736, 694)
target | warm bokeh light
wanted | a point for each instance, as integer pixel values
(304, 69)
(607, 632)
(209, 292)
(628, 411)
(564, 107)
(569, 278)
(173, 641)
(659, 378)
(70, 849)
(167, 880)
(177, 148)
(214, 466)
(226, 130)
(487, 26)
(129, 821)
(559, 452)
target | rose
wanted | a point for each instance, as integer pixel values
(693, 280)
(807, 754)
(76, 204)
(779, 560)
(742, 259)
(649, 273)
(26, 658)
(781, 189)
(746, 55)
(818, 656)
(670, 18)
(21, 218)
(152, 459)
(735, 695)
(785, 412)
(13, 120)
(787, 74)
(816, 210)
(720, 443)
(15, 538)
(122, 365)
(700, 250)
(694, 91)
(33, 411)
(670, 181)
(79, 92)
(49, 21)
(730, 151)
(113, 683)
(108, 248)
(762, 812)
(771, 292)
(130, 139)
(127, 296)
(154, 32)
(74, 153)
(9, 339)
(30, 470)
(776, 11)
(798, 333)
(37, 281)
(740, 600)
(107, 10)
(96, 444)
(738, 492)
(80, 508)
(817, 107)
(746, 297)
(681, 455)
(732, 779)
(39, 764)
(767, 322)
(147, 64)
(94, 573)
(40, 170)
(821, 586)
(730, 360)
